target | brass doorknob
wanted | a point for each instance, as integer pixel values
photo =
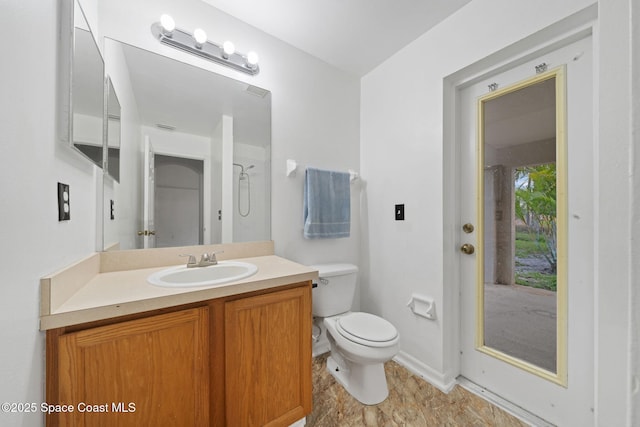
(467, 228)
(467, 248)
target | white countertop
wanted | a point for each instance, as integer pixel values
(119, 293)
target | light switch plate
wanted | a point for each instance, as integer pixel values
(400, 212)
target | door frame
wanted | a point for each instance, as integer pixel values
(207, 187)
(201, 205)
(148, 191)
(551, 38)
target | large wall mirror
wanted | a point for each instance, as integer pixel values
(194, 155)
(82, 85)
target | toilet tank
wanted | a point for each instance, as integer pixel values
(334, 290)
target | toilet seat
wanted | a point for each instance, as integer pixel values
(367, 329)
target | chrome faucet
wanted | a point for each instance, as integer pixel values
(205, 259)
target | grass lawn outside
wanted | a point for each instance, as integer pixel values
(532, 269)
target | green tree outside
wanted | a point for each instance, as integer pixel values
(535, 206)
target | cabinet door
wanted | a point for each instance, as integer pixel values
(268, 358)
(151, 371)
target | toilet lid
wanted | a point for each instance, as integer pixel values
(365, 328)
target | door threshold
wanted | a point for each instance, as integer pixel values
(502, 403)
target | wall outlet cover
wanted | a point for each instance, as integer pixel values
(400, 212)
(64, 204)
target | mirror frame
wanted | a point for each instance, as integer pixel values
(66, 60)
(560, 376)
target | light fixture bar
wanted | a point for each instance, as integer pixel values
(185, 41)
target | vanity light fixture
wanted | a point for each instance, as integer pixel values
(228, 49)
(252, 60)
(200, 37)
(197, 44)
(167, 25)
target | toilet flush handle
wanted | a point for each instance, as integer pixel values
(321, 280)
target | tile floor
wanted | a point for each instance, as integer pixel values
(411, 402)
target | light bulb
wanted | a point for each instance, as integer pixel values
(167, 23)
(228, 49)
(200, 37)
(252, 60)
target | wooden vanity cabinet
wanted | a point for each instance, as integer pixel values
(149, 371)
(243, 360)
(268, 358)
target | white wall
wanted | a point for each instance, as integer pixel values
(226, 182)
(32, 241)
(128, 192)
(615, 212)
(214, 234)
(635, 220)
(402, 162)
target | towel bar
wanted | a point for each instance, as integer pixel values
(292, 166)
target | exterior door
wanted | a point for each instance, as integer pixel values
(526, 232)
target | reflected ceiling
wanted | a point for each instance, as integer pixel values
(523, 116)
(192, 100)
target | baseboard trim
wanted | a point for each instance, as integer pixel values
(300, 423)
(509, 407)
(320, 348)
(425, 372)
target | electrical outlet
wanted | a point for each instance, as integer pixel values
(400, 212)
(112, 214)
(64, 204)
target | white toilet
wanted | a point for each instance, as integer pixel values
(360, 342)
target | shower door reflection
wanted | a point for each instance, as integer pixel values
(519, 257)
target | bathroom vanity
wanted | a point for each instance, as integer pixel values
(232, 354)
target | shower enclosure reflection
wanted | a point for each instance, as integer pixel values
(243, 192)
(200, 127)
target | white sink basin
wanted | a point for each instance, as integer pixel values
(183, 277)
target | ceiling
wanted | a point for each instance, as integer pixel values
(353, 35)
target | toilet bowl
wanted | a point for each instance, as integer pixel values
(360, 342)
(357, 356)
